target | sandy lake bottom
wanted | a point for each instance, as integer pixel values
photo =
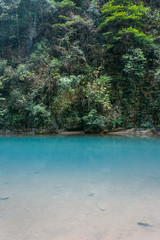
(79, 188)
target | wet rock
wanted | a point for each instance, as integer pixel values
(145, 224)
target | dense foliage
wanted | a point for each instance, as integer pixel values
(79, 64)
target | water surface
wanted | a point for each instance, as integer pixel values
(79, 188)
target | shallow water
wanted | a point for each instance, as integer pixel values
(79, 188)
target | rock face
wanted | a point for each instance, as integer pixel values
(133, 132)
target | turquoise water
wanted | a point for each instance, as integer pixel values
(85, 187)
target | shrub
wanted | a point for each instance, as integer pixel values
(94, 122)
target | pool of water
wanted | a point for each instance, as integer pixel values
(79, 188)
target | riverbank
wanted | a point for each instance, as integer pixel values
(139, 132)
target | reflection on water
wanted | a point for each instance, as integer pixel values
(80, 188)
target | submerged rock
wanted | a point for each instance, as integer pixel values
(4, 198)
(91, 194)
(102, 208)
(145, 224)
(6, 183)
(106, 171)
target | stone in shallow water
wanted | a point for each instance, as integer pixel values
(91, 194)
(107, 171)
(4, 198)
(6, 183)
(144, 224)
(102, 208)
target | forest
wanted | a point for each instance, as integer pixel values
(87, 65)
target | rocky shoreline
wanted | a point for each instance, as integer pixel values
(137, 132)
